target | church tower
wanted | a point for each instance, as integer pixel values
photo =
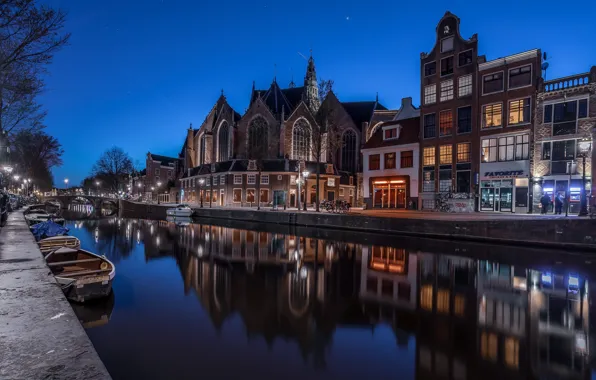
(310, 96)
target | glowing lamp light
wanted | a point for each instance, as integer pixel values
(573, 281)
(575, 189)
(547, 278)
(548, 189)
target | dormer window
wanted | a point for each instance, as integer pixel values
(446, 44)
(392, 132)
(252, 165)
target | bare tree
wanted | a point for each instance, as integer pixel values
(35, 153)
(113, 167)
(324, 134)
(30, 34)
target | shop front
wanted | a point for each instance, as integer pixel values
(560, 186)
(504, 187)
(390, 192)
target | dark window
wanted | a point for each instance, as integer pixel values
(548, 113)
(546, 151)
(430, 69)
(258, 138)
(565, 118)
(520, 76)
(223, 138)
(389, 160)
(463, 181)
(371, 284)
(202, 148)
(563, 150)
(374, 162)
(387, 288)
(430, 126)
(465, 58)
(446, 66)
(349, 151)
(445, 123)
(464, 119)
(445, 181)
(583, 109)
(492, 83)
(407, 159)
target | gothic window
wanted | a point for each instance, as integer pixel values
(258, 138)
(301, 140)
(348, 151)
(202, 146)
(222, 142)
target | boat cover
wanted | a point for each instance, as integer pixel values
(48, 229)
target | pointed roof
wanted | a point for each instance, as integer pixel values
(276, 97)
(362, 112)
(213, 116)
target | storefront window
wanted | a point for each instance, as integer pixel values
(250, 195)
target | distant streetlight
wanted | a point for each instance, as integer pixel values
(201, 183)
(66, 183)
(305, 173)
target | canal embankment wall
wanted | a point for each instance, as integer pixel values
(40, 335)
(568, 234)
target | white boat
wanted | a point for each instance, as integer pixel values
(50, 244)
(82, 275)
(181, 210)
(42, 216)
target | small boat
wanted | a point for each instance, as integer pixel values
(180, 220)
(83, 275)
(31, 209)
(50, 244)
(42, 216)
(180, 210)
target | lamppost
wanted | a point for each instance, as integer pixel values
(158, 186)
(201, 182)
(97, 183)
(66, 183)
(305, 174)
(16, 179)
(585, 147)
(139, 185)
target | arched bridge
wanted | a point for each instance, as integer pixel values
(96, 202)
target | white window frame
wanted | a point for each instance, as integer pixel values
(341, 191)
(446, 98)
(237, 179)
(214, 180)
(517, 67)
(459, 86)
(222, 179)
(530, 112)
(482, 127)
(433, 95)
(264, 179)
(292, 180)
(452, 37)
(251, 179)
(494, 92)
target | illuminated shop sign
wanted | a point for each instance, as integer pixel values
(505, 174)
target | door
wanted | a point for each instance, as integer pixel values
(392, 199)
(506, 199)
(331, 196)
(293, 200)
(487, 199)
(401, 198)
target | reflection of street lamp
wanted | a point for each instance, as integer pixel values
(584, 146)
(158, 186)
(305, 174)
(201, 182)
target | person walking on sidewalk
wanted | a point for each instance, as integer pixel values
(558, 204)
(545, 202)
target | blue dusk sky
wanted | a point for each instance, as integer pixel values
(138, 72)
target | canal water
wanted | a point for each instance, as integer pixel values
(229, 300)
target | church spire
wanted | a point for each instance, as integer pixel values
(311, 87)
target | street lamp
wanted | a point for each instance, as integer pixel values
(158, 186)
(585, 147)
(305, 174)
(201, 182)
(66, 183)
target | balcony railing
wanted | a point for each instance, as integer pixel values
(567, 82)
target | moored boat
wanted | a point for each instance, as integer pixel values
(83, 275)
(181, 210)
(42, 216)
(53, 243)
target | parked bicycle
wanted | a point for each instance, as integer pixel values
(338, 206)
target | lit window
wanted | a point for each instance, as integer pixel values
(237, 179)
(512, 352)
(443, 301)
(430, 94)
(489, 150)
(251, 179)
(446, 44)
(445, 154)
(426, 297)
(460, 305)
(237, 196)
(488, 346)
(428, 158)
(463, 152)
(464, 85)
(374, 162)
(492, 115)
(264, 195)
(264, 179)
(519, 111)
(447, 90)
(250, 195)
(389, 160)
(445, 123)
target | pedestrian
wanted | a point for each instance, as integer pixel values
(545, 202)
(558, 204)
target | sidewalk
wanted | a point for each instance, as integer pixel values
(40, 336)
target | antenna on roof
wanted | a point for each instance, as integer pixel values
(544, 65)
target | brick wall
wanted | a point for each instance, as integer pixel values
(257, 108)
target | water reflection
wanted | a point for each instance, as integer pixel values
(340, 303)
